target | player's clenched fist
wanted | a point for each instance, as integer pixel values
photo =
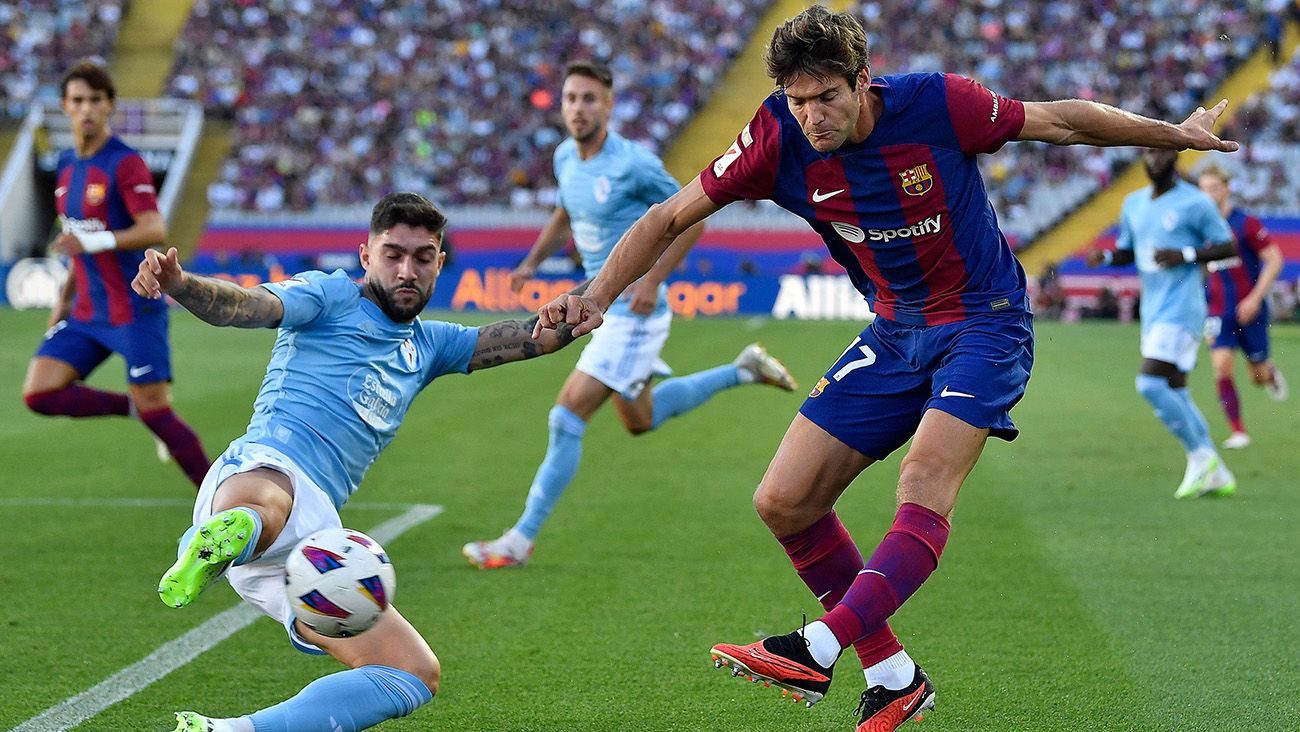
(158, 273)
(581, 312)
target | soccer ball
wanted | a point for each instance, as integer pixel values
(338, 582)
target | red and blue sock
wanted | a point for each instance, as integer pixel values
(78, 400)
(828, 561)
(181, 441)
(906, 557)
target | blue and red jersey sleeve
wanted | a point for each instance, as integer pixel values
(747, 170)
(135, 185)
(1255, 234)
(983, 120)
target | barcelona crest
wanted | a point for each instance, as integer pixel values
(917, 181)
(95, 193)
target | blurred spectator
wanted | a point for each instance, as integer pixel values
(1156, 57)
(40, 39)
(339, 102)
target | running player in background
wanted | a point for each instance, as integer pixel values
(109, 215)
(1170, 229)
(1237, 290)
(606, 183)
(885, 170)
(347, 363)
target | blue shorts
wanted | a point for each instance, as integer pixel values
(874, 396)
(1226, 332)
(84, 346)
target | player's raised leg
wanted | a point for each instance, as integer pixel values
(249, 509)
(52, 387)
(391, 673)
(681, 394)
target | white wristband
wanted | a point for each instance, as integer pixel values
(1107, 257)
(1189, 254)
(96, 241)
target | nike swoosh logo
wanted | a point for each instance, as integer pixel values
(866, 571)
(138, 371)
(915, 698)
(947, 393)
(823, 595)
(818, 196)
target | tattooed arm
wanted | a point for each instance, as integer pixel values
(214, 301)
(512, 340)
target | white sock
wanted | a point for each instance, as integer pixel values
(893, 673)
(822, 644)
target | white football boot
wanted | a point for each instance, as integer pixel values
(765, 367)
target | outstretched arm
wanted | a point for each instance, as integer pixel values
(512, 340)
(1079, 122)
(214, 301)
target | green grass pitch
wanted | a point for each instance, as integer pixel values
(1075, 593)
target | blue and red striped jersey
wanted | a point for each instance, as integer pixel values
(1233, 278)
(105, 192)
(904, 211)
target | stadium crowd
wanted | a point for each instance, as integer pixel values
(1267, 168)
(40, 39)
(1155, 57)
(457, 98)
(338, 105)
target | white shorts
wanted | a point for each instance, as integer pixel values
(624, 352)
(261, 582)
(1172, 344)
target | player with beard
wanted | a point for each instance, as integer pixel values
(348, 361)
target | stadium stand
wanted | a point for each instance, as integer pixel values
(1155, 57)
(321, 109)
(326, 115)
(42, 39)
(1267, 168)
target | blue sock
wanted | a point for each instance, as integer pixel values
(1169, 409)
(1197, 420)
(556, 470)
(346, 702)
(684, 393)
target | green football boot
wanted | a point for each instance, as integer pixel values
(192, 722)
(210, 549)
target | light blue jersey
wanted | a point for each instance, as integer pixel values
(342, 375)
(605, 194)
(1181, 217)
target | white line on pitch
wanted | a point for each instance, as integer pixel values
(176, 653)
(46, 502)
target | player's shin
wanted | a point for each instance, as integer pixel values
(682, 394)
(181, 441)
(78, 400)
(828, 561)
(563, 453)
(347, 701)
(906, 557)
